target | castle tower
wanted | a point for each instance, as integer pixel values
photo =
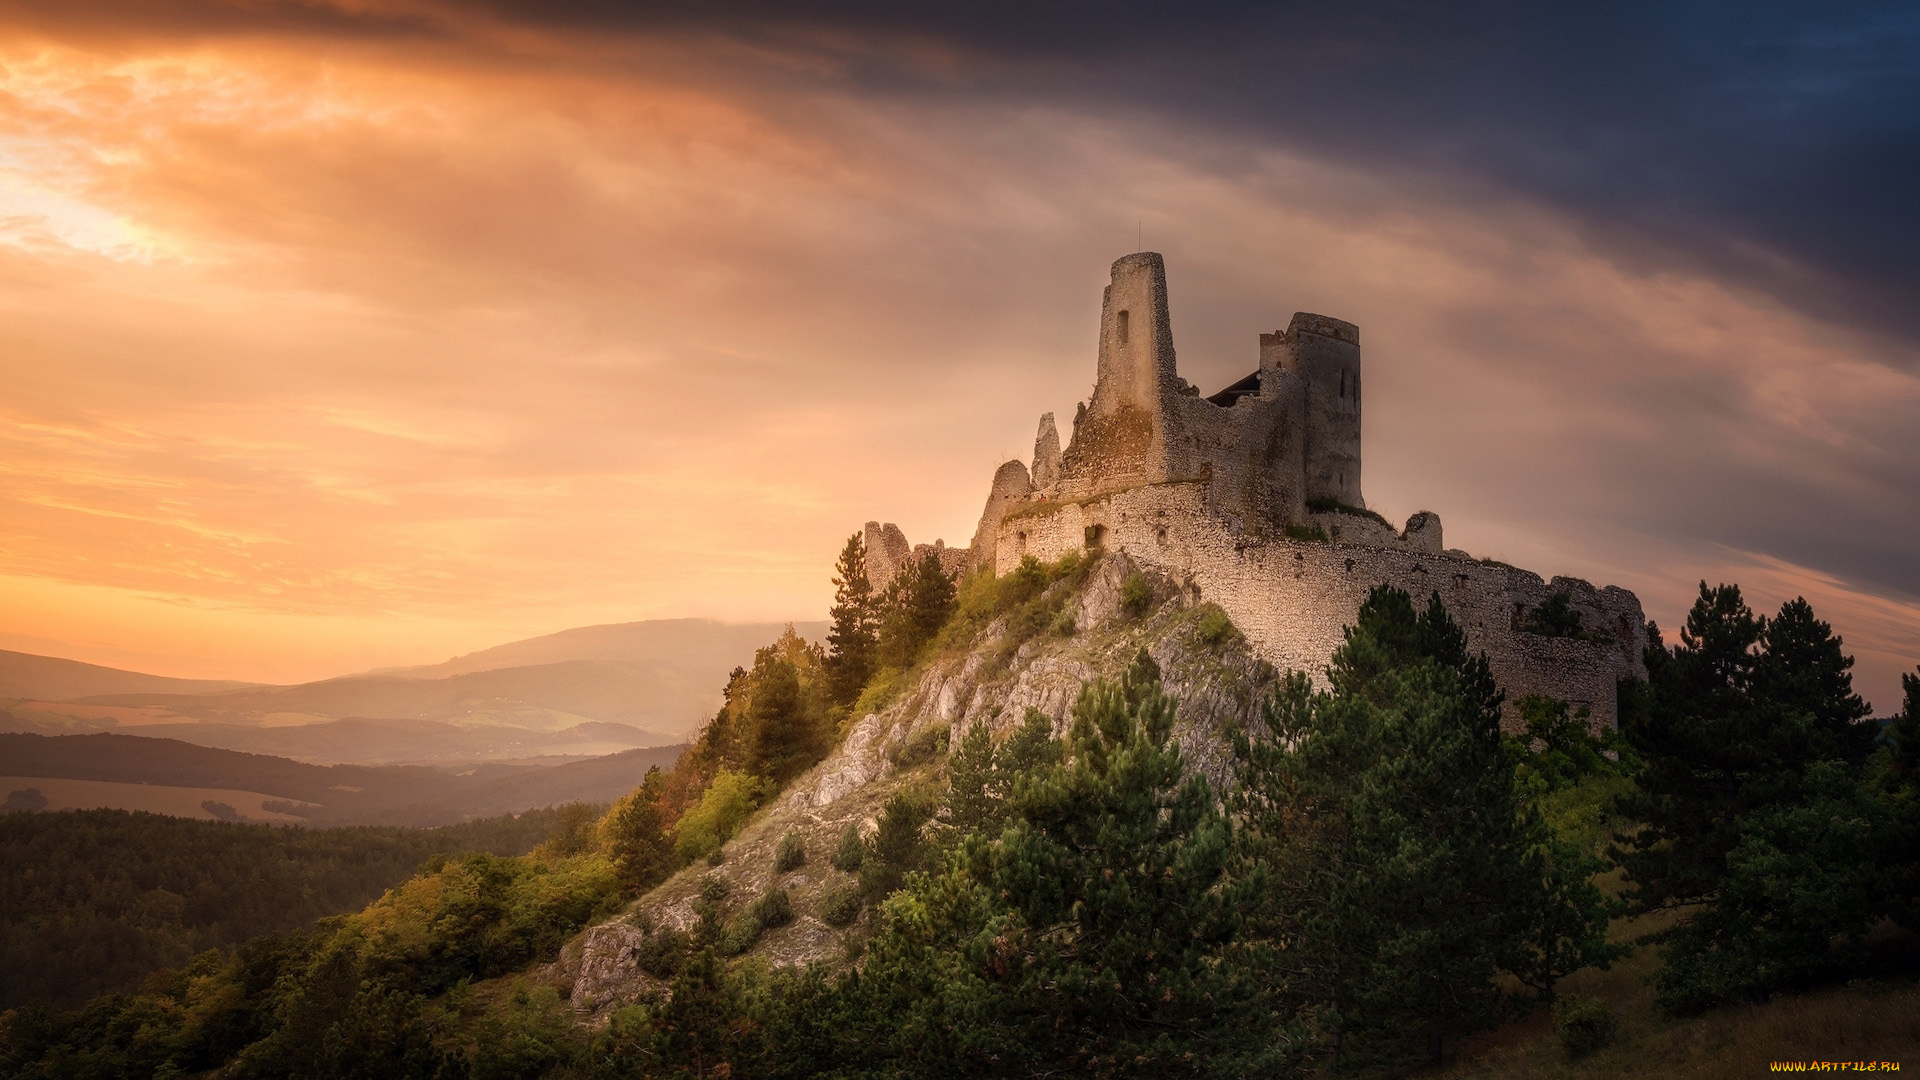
(1136, 336)
(1117, 439)
(1324, 354)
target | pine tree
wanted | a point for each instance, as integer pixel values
(1755, 810)
(783, 737)
(930, 598)
(1407, 870)
(635, 836)
(913, 608)
(1898, 781)
(981, 776)
(1089, 938)
(853, 639)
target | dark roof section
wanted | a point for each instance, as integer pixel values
(1243, 388)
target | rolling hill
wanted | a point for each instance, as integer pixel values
(24, 675)
(589, 691)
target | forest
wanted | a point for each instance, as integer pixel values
(1386, 874)
(94, 900)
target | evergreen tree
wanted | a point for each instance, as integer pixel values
(1898, 781)
(1407, 870)
(703, 1029)
(971, 796)
(853, 639)
(1903, 734)
(914, 606)
(931, 598)
(635, 837)
(1088, 938)
(1752, 801)
(786, 731)
(896, 845)
(981, 777)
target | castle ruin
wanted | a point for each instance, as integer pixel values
(1251, 498)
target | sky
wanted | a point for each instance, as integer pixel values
(343, 334)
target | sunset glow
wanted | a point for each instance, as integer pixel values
(378, 341)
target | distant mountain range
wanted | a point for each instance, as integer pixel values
(590, 691)
(322, 794)
(24, 675)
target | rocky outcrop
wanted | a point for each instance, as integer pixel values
(992, 682)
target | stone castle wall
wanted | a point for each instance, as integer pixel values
(1294, 598)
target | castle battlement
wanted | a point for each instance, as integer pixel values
(1251, 499)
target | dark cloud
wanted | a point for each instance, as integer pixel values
(1779, 143)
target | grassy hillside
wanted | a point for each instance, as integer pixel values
(1866, 1020)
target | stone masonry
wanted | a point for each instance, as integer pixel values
(1251, 499)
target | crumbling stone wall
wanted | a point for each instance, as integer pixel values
(1294, 598)
(888, 552)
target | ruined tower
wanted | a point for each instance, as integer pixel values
(1117, 439)
(1324, 354)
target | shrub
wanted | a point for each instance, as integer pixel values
(841, 907)
(713, 890)
(1215, 628)
(790, 855)
(738, 935)
(882, 688)
(1584, 1024)
(773, 909)
(920, 749)
(1136, 594)
(851, 852)
(1555, 617)
(716, 856)
(663, 953)
(1310, 533)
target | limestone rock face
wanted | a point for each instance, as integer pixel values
(1100, 602)
(992, 681)
(607, 956)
